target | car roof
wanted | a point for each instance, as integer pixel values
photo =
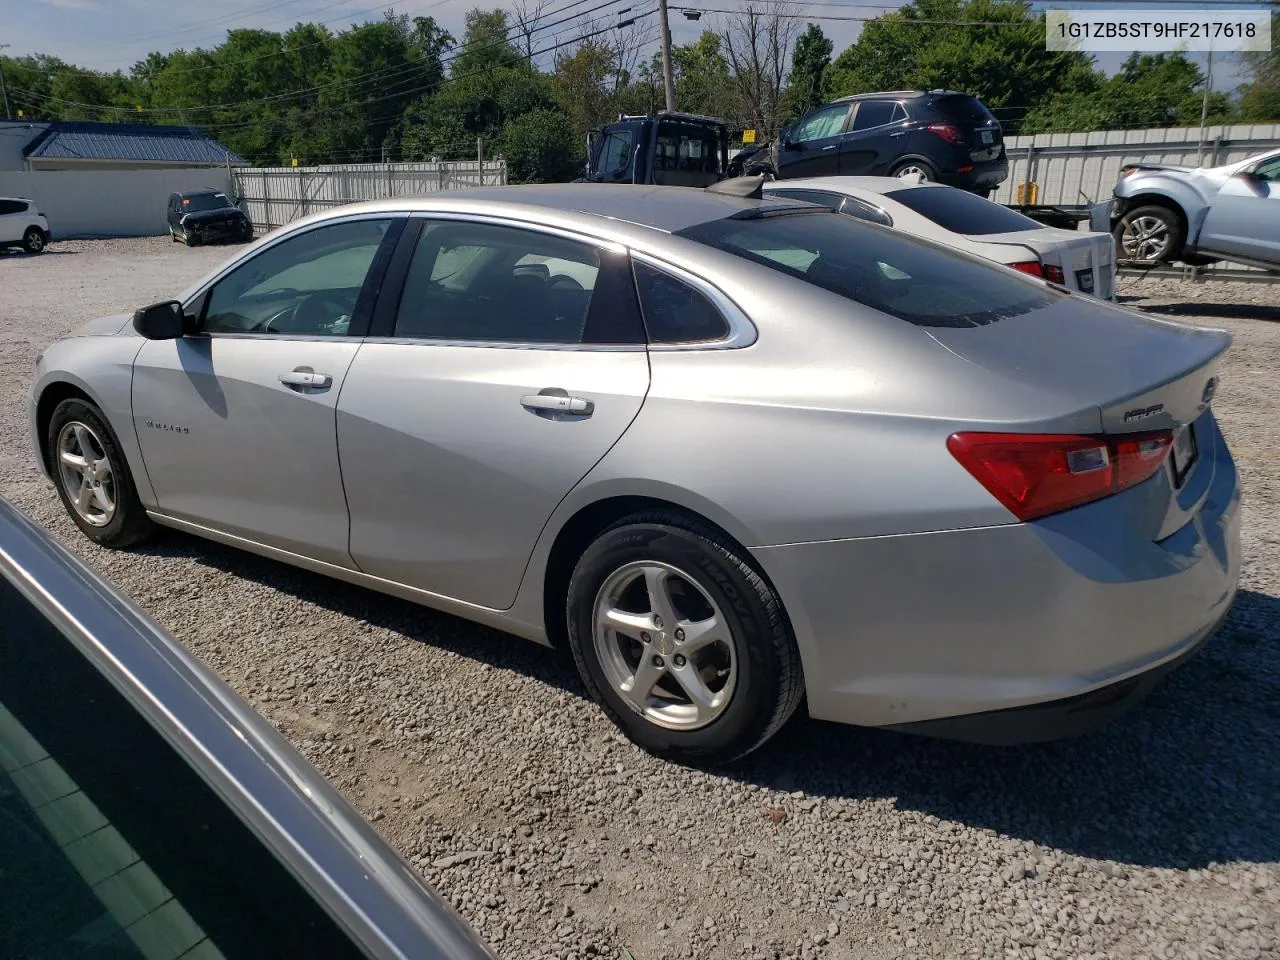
(665, 209)
(881, 185)
(901, 95)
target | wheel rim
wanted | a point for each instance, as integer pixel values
(86, 474)
(1145, 238)
(913, 169)
(35, 243)
(664, 645)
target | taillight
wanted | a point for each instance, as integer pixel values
(1053, 273)
(947, 131)
(1031, 268)
(1036, 474)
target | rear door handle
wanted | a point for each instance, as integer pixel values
(304, 377)
(554, 405)
(900, 133)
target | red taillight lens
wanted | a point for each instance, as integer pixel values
(1035, 474)
(947, 131)
(1053, 273)
(1030, 267)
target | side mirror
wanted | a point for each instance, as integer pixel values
(160, 321)
(789, 144)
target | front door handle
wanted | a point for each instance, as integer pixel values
(900, 133)
(831, 146)
(305, 377)
(556, 404)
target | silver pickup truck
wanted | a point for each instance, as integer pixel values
(1161, 213)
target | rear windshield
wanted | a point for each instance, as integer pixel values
(962, 212)
(962, 109)
(204, 201)
(872, 265)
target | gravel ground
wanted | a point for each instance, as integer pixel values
(476, 755)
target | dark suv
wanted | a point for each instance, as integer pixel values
(199, 216)
(943, 135)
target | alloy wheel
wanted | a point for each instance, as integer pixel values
(85, 472)
(1145, 238)
(664, 645)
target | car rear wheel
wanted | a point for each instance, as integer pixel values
(681, 641)
(92, 477)
(33, 240)
(1149, 235)
(915, 167)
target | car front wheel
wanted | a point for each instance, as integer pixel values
(33, 240)
(1149, 235)
(681, 641)
(92, 477)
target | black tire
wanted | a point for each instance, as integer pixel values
(130, 523)
(926, 170)
(1172, 238)
(769, 681)
(188, 238)
(33, 240)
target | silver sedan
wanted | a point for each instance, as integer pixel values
(733, 452)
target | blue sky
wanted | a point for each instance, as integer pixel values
(109, 34)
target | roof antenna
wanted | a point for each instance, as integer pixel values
(751, 188)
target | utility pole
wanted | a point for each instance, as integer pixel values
(667, 79)
(4, 89)
(1204, 107)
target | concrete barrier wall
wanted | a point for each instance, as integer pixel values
(107, 203)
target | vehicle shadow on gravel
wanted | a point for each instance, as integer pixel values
(1228, 311)
(1190, 776)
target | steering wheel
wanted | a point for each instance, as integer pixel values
(320, 311)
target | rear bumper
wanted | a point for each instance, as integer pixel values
(983, 176)
(911, 629)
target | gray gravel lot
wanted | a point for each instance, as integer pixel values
(476, 755)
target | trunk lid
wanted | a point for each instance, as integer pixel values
(980, 131)
(1138, 373)
(1087, 260)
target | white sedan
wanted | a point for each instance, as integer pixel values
(1080, 261)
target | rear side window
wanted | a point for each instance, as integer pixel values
(888, 271)
(829, 200)
(962, 212)
(864, 211)
(873, 113)
(490, 283)
(675, 312)
(960, 109)
(12, 206)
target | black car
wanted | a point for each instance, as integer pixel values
(941, 135)
(201, 216)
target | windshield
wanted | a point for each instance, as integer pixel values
(962, 212)
(198, 202)
(875, 266)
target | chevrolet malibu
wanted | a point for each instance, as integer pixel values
(734, 452)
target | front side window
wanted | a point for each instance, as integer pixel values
(827, 122)
(1269, 169)
(307, 285)
(962, 212)
(873, 113)
(888, 271)
(615, 154)
(675, 312)
(490, 283)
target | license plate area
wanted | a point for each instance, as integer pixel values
(987, 136)
(1184, 454)
(1084, 280)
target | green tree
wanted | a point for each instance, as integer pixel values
(582, 84)
(1260, 96)
(485, 43)
(809, 65)
(80, 94)
(539, 147)
(1150, 90)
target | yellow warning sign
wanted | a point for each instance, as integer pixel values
(748, 136)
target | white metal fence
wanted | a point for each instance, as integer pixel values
(274, 196)
(1080, 168)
